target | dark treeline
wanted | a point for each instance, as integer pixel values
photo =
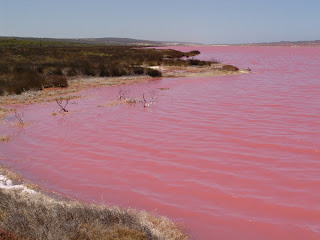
(24, 68)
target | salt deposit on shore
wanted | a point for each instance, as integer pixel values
(6, 183)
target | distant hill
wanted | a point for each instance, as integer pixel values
(287, 43)
(101, 41)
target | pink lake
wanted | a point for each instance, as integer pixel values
(233, 157)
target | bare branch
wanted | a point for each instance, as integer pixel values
(62, 103)
(153, 95)
(123, 94)
(19, 116)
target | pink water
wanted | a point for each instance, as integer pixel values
(233, 157)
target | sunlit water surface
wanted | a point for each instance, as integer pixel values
(234, 157)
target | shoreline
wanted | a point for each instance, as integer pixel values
(80, 83)
(26, 213)
(19, 190)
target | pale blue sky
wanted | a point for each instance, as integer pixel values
(204, 21)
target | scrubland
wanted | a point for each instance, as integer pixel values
(37, 73)
(24, 68)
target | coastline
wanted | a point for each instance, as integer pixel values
(80, 83)
(15, 188)
(26, 213)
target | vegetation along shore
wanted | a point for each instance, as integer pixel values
(41, 72)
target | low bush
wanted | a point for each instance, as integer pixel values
(87, 69)
(230, 68)
(20, 82)
(56, 81)
(57, 71)
(154, 73)
(71, 72)
(194, 62)
(138, 70)
(192, 53)
(22, 68)
(2, 86)
(4, 68)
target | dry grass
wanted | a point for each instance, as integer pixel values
(37, 216)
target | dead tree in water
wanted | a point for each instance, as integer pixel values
(19, 117)
(62, 103)
(147, 103)
(144, 101)
(123, 94)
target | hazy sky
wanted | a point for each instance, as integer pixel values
(204, 21)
